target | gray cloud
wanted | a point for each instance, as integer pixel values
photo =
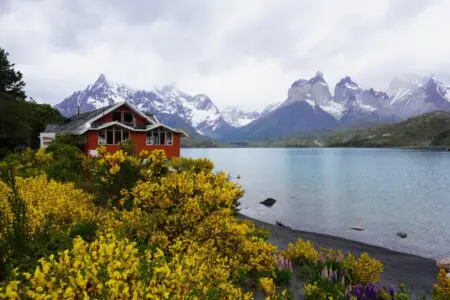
(243, 53)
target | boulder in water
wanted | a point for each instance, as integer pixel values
(279, 224)
(357, 228)
(268, 202)
(402, 235)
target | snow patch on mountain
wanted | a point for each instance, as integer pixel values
(413, 96)
(271, 107)
(334, 108)
(236, 117)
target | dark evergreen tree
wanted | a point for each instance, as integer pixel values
(11, 83)
(21, 120)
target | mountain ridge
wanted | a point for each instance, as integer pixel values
(348, 104)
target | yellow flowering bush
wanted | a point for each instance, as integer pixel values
(112, 268)
(26, 163)
(62, 201)
(267, 285)
(441, 289)
(270, 290)
(302, 252)
(110, 174)
(195, 194)
(6, 215)
(313, 291)
(42, 157)
(158, 229)
(363, 269)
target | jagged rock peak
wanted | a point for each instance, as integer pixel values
(378, 94)
(101, 78)
(299, 83)
(304, 82)
(432, 81)
(204, 102)
(202, 97)
(347, 81)
(317, 78)
(100, 82)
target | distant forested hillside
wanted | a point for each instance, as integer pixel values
(425, 131)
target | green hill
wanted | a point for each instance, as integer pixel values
(425, 131)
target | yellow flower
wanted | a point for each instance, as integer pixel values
(441, 290)
(267, 285)
(302, 252)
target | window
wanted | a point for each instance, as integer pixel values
(159, 136)
(125, 135)
(128, 117)
(117, 116)
(162, 136)
(110, 136)
(169, 137)
(150, 137)
(101, 137)
(115, 135)
(156, 136)
(123, 116)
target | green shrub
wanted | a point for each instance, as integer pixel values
(67, 163)
(86, 230)
(283, 277)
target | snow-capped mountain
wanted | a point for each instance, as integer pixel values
(348, 97)
(418, 95)
(171, 106)
(315, 92)
(237, 117)
(309, 106)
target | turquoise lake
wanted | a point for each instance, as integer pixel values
(326, 190)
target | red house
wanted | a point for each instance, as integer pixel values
(112, 126)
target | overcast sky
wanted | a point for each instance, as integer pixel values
(244, 53)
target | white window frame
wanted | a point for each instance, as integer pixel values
(169, 142)
(151, 141)
(114, 130)
(147, 138)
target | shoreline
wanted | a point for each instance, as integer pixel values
(416, 272)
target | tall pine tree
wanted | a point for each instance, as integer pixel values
(11, 83)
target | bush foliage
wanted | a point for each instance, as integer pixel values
(125, 225)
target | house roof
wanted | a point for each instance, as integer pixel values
(81, 123)
(73, 124)
(148, 117)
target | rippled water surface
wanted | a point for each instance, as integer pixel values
(326, 190)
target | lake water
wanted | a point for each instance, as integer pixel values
(326, 190)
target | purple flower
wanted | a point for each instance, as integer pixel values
(347, 293)
(322, 258)
(334, 277)
(392, 293)
(371, 291)
(358, 291)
